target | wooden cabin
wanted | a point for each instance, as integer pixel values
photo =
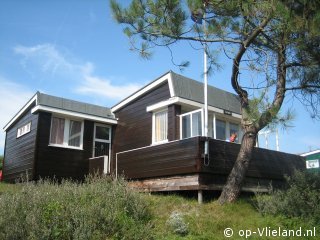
(56, 137)
(154, 138)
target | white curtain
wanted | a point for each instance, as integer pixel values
(161, 126)
(57, 130)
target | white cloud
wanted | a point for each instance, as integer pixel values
(103, 87)
(60, 65)
(46, 58)
(13, 98)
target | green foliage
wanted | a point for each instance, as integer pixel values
(100, 208)
(292, 25)
(301, 199)
(177, 224)
(83, 212)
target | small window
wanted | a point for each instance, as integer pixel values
(66, 132)
(160, 126)
(221, 129)
(191, 124)
(234, 129)
(24, 130)
(102, 140)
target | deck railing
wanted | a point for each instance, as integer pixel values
(186, 156)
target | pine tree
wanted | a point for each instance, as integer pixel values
(277, 41)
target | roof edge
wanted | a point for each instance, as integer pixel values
(22, 110)
(145, 89)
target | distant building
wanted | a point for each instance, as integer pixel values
(312, 160)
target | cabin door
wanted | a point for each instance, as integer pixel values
(101, 140)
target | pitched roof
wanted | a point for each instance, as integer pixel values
(73, 106)
(44, 102)
(190, 89)
(187, 88)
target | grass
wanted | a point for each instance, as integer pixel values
(7, 187)
(206, 221)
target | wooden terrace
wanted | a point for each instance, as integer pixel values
(180, 165)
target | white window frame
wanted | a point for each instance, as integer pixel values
(227, 129)
(24, 130)
(154, 142)
(66, 133)
(191, 130)
(101, 140)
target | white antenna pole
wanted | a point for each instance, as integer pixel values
(277, 140)
(205, 86)
(266, 138)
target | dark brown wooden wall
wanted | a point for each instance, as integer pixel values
(174, 122)
(264, 164)
(20, 152)
(185, 157)
(134, 128)
(174, 158)
(62, 162)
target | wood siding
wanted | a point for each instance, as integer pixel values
(134, 128)
(264, 164)
(185, 157)
(20, 152)
(62, 162)
(174, 122)
(178, 157)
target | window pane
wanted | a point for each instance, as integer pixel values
(196, 124)
(101, 149)
(186, 124)
(221, 129)
(57, 130)
(74, 133)
(103, 132)
(161, 126)
(234, 129)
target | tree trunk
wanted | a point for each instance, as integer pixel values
(232, 188)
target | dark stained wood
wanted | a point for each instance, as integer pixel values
(134, 128)
(178, 157)
(62, 162)
(96, 165)
(20, 152)
(185, 157)
(174, 122)
(264, 164)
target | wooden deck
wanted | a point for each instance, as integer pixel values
(180, 165)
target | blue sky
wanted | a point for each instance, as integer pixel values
(74, 49)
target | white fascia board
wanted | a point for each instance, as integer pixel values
(178, 100)
(23, 109)
(236, 115)
(162, 104)
(166, 77)
(310, 153)
(73, 114)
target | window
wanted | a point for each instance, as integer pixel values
(160, 127)
(102, 140)
(234, 128)
(66, 132)
(220, 129)
(191, 124)
(24, 130)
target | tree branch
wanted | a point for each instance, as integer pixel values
(236, 61)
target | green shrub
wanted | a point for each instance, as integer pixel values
(301, 198)
(177, 224)
(100, 208)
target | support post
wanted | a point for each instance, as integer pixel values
(200, 196)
